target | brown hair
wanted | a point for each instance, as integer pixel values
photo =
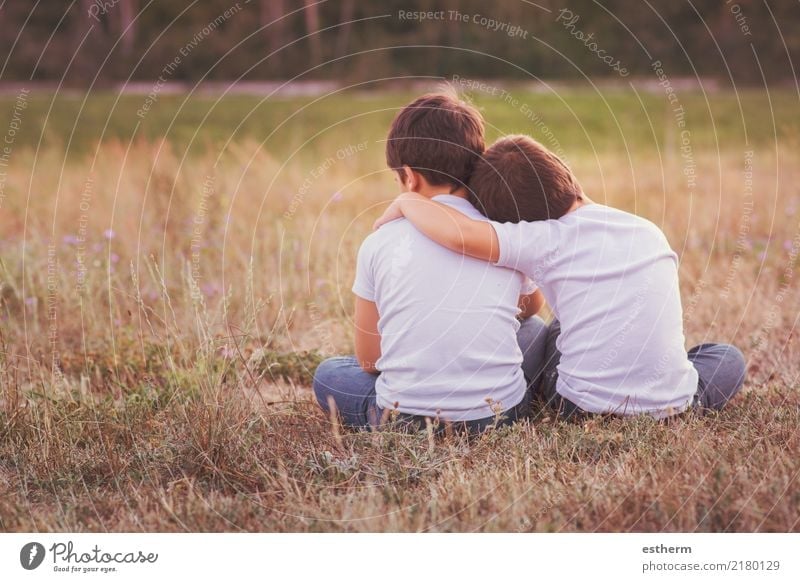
(519, 179)
(438, 136)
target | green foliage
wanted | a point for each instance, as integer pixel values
(581, 119)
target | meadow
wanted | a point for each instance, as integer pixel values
(170, 277)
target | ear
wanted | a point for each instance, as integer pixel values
(409, 178)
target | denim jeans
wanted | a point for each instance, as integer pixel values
(720, 368)
(341, 382)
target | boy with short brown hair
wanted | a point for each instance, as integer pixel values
(517, 163)
(436, 334)
(439, 137)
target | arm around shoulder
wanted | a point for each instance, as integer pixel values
(450, 228)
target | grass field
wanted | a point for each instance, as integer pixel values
(168, 281)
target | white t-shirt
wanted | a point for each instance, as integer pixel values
(611, 279)
(447, 323)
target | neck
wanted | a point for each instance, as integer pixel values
(431, 191)
(582, 200)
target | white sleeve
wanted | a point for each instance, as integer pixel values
(528, 247)
(364, 284)
(528, 286)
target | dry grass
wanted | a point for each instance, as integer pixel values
(171, 392)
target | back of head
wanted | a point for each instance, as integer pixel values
(519, 179)
(438, 136)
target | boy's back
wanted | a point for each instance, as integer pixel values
(447, 323)
(612, 281)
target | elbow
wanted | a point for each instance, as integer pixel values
(458, 241)
(472, 241)
(368, 362)
(537, 305)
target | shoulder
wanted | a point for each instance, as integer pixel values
(650, 227)
(645, 231)
(525, 232)
(611, 215)
(388, 234)
(525, 246)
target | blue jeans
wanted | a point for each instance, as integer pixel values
(342, 383)
(720, 368)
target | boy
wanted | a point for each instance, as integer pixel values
(610, 277)
(435, 332)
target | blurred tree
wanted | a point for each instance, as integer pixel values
(312, 26)
(127, 25)
(112, 40)
(273, 24)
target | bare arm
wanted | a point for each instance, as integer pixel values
(446, 226)
(368, 340)
(529, 305)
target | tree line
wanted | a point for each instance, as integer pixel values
(97, 42)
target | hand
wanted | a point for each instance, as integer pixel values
(392, 213)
